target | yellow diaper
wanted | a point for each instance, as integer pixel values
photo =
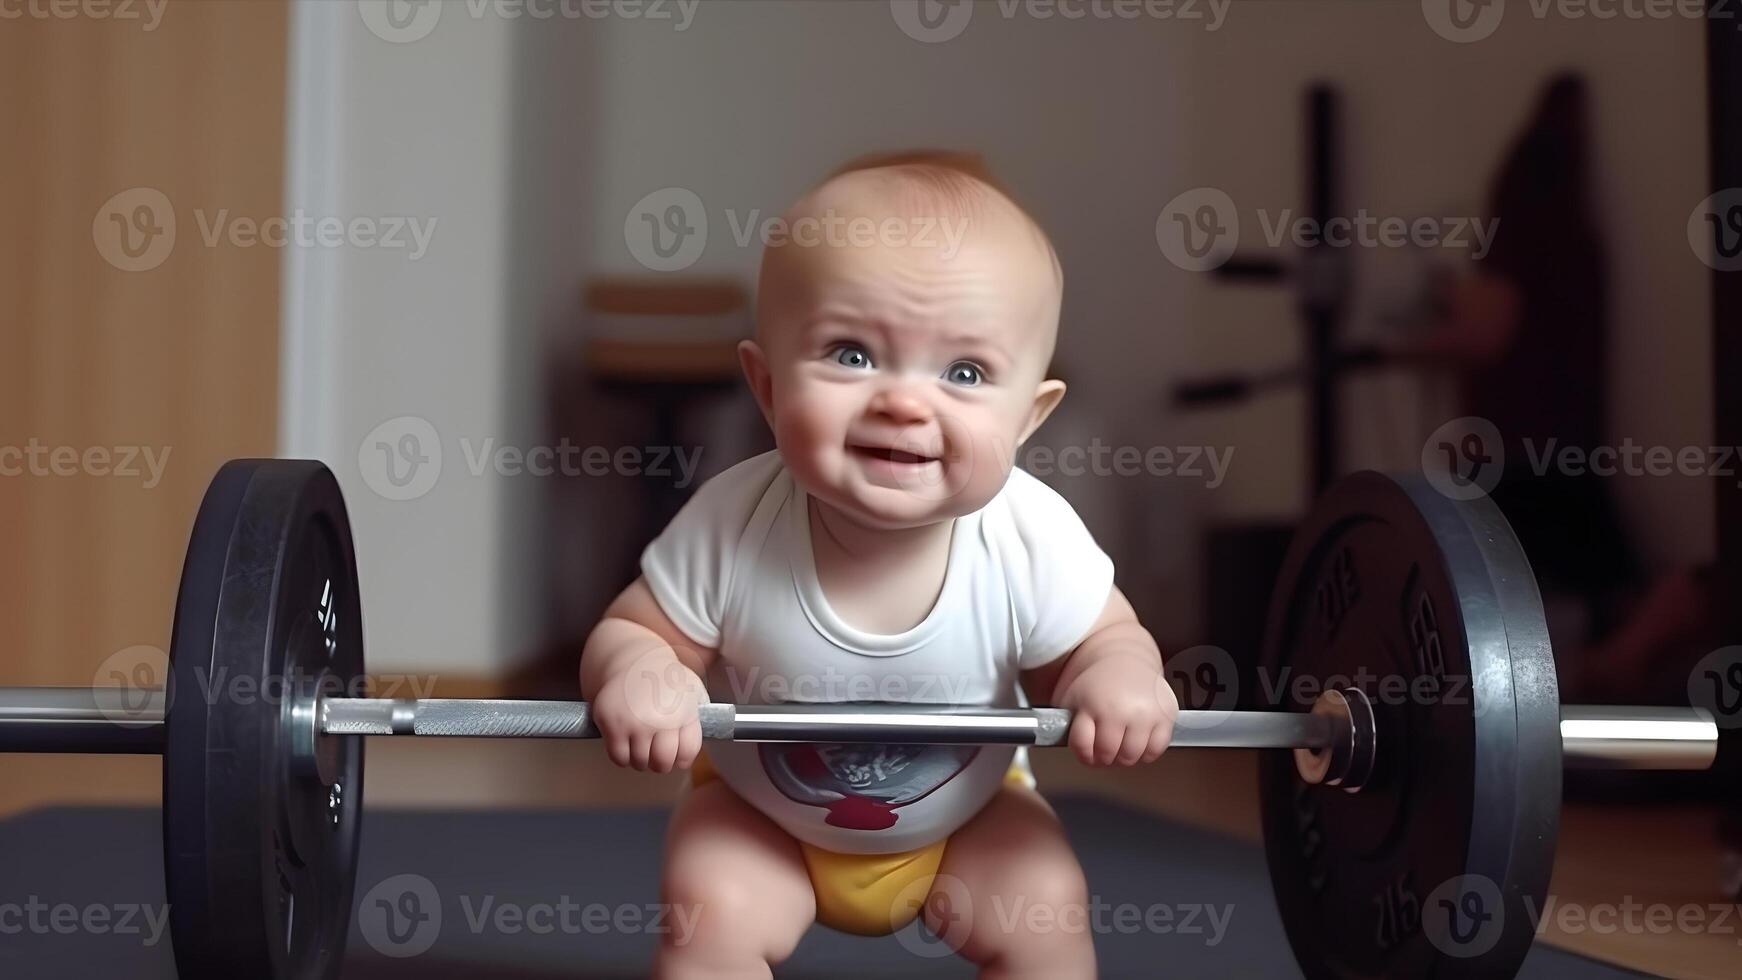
(865, 894)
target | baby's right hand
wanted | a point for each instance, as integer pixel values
(647, 715)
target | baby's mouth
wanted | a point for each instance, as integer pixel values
(892, 455)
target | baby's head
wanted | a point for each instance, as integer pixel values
(903, 334)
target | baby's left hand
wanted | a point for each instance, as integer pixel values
(1123, 711)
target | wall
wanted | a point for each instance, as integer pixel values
(175, 109)
(534, 142)
(1427, 121)
(477, 127)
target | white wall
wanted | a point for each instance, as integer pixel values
(481, 127)
(533, 140)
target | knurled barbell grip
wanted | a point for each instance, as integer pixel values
(933, 724)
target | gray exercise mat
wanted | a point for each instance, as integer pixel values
(554, 894)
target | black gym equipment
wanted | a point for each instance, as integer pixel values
(1392, 578)
(261, 815)
(1423, 783)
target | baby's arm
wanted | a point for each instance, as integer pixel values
(1112, 679)
(644, 679)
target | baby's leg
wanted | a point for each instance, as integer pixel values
(1010, 895)
(740, 879)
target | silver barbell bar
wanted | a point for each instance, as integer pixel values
(116, 720)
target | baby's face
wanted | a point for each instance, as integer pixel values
(899, 381)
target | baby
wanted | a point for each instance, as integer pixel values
(887, 550)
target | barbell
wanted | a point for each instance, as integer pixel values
(1384, 798)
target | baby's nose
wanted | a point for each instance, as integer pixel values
(900, 403)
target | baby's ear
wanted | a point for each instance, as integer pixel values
(755, 364)
(1047, 396)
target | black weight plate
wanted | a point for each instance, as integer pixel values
(1439, 866)
(260, 854)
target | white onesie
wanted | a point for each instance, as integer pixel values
(734, 570)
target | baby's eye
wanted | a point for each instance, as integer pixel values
(852, 355)
(964, 373)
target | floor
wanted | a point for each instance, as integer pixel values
(1661, 856)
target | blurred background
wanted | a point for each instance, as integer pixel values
(433, 243)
